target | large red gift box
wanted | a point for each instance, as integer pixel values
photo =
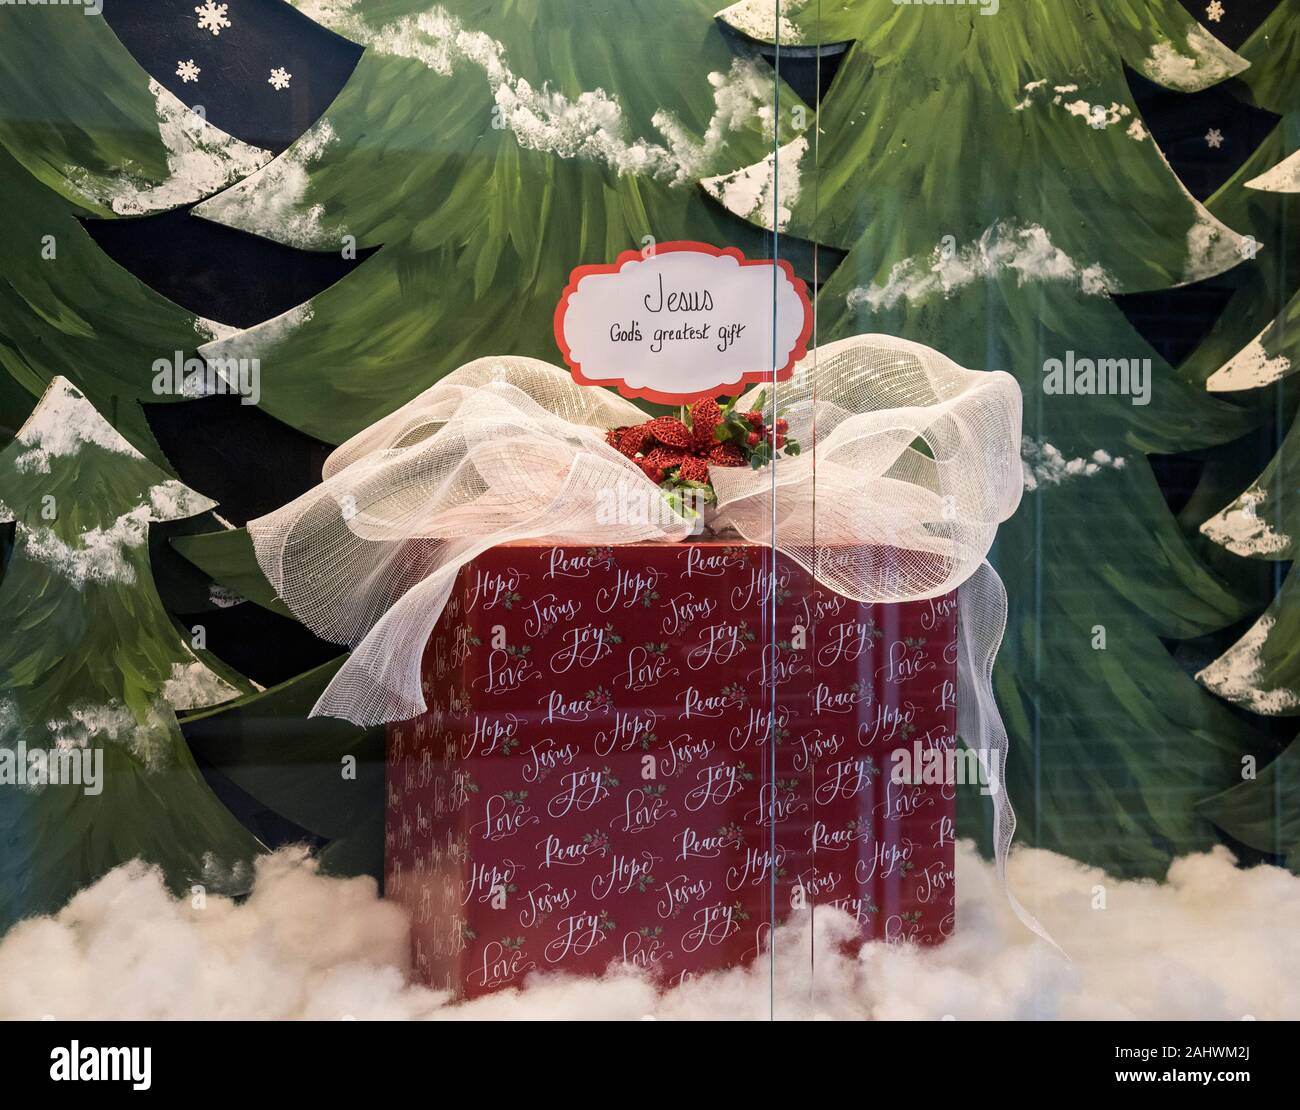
(640, 754)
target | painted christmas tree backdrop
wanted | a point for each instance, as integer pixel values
(1255, 354)
(1002, 243)
(93, 663)
(364, 196)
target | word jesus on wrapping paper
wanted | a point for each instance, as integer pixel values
(623, 761)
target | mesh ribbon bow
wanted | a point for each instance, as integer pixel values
(910, 463)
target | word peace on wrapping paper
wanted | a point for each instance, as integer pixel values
(682, 322)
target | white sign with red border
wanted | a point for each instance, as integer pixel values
(682, 322)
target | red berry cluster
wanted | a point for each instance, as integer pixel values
(761, 433)
(672, 452)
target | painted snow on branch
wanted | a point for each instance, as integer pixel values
(1205, 62)
(1032, 89)
(102, 555)
(1241, 529)
(194, 685)
(223, 597)
(1097, 116)
(1250, 368)
(259, 340)
(92, 725)
(1028, 252)
(1282, 178)
(1235, 675)
(591, 126)
(269, 202)
(89, 724)
(1045, 465)
(174, 500)
(765, 20)
(1212, 246)
(61, 424)
(201, 159)
(211, 330)
(10, 723)
(750, 192)
(742, 94)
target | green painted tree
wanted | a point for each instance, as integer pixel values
(487, 149)
(1255, 351)
(993, 183)
(91, 662)
(1258, 353)
(1244, 352)
(85, 132)
(479, 149)
(988, 178)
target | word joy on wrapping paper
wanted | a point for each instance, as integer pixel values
(682, 321)
(623, 761)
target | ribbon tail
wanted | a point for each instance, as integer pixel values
(982, 620)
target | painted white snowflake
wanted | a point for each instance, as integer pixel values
(1214, 138)
(1214, 12)
(212, 17)
(188, 71)
(279, 78)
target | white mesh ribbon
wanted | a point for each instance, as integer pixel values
(909, 464)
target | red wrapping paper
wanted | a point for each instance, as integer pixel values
(644, 754)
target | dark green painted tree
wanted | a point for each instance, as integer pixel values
(489, 148)
(1257, 351)
(84, 132)
(993, 183)
(481, 151)
(92, 662)
(988, 178)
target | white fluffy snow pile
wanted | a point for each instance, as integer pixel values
(1212, 941)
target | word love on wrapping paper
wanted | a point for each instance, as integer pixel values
(651, 754)
(683, 321)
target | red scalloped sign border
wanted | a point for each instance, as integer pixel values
(598, 377)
